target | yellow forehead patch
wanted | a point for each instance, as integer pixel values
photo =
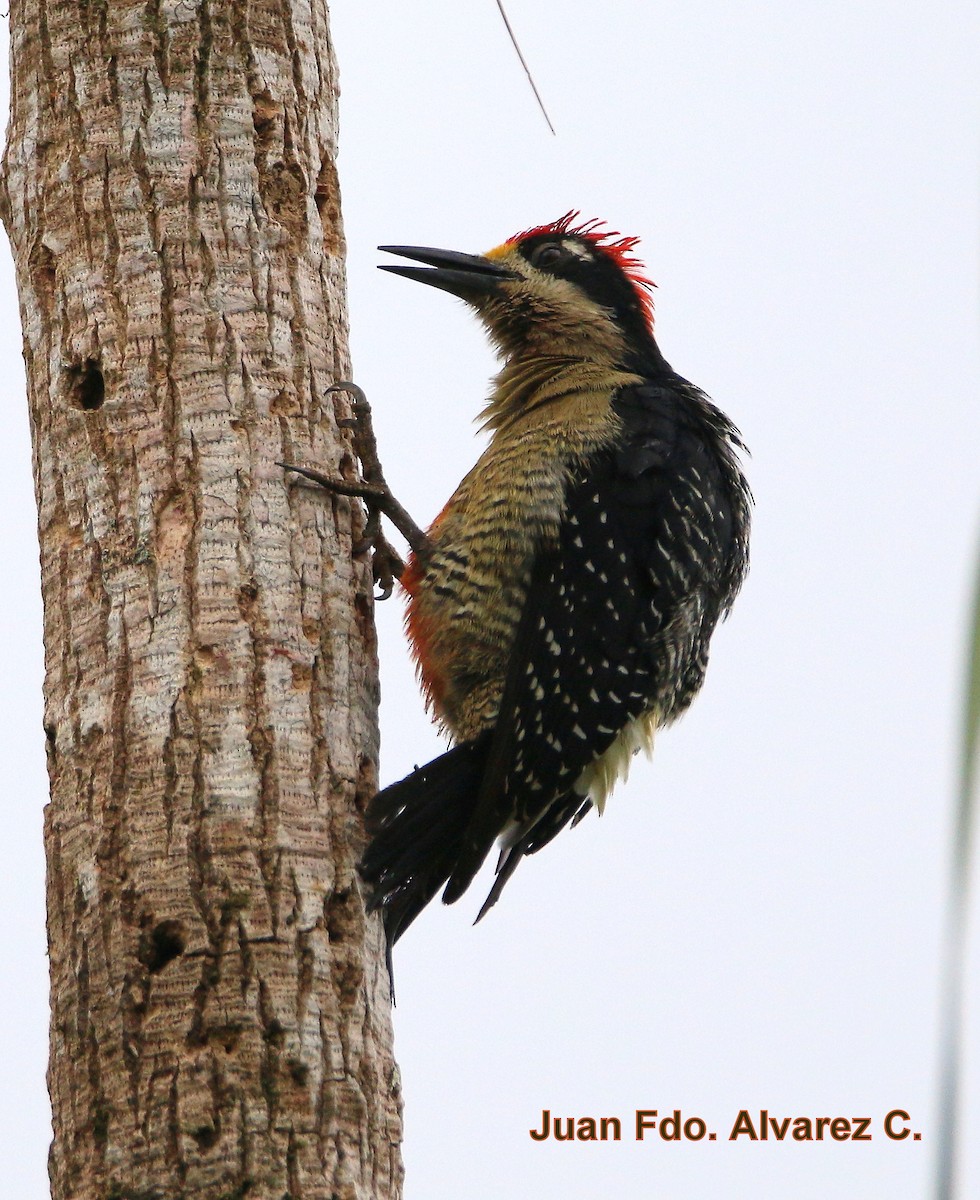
(500, 251)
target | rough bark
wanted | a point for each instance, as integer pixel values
(220, 1022)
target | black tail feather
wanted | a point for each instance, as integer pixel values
(569, 808)
(416, 828)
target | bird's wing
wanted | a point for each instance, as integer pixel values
(610, 618)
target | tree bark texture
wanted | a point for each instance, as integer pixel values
(220, 1021)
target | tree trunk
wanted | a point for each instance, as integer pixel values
(220, 1023)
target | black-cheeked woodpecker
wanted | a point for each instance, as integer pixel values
(561, 605)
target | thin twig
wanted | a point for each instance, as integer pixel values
(527, 69)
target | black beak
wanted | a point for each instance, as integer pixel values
(469, 276)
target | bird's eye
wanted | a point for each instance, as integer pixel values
(547, 254)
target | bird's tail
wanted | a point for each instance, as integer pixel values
(417, 828)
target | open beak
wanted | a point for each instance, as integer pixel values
(469, 276)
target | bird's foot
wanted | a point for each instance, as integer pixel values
(386, 564)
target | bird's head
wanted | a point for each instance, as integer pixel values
(564, 289)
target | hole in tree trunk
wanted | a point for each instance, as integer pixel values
(162, 945)
(87, 386)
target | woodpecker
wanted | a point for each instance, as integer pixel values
(561, 605)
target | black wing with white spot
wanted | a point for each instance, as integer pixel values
(617, 615)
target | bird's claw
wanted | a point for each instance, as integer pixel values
(386, 564)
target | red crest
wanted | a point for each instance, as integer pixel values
(611, 243)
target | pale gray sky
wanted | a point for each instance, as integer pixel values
(755, 922)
